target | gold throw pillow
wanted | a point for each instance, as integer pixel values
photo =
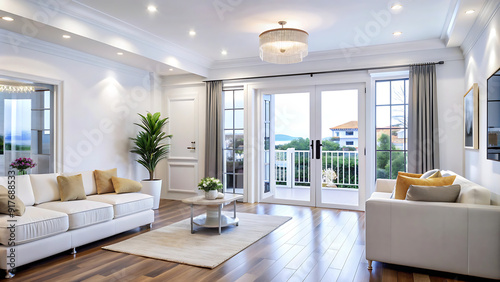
(71, 188)
(404, 182)
(124, 185)
(17, 206)
(103, 180)
(414, 175)
(436, 174)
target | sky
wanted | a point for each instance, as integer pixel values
(292, 112)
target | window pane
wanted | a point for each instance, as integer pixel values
(383, 139)
(383, 164)
(228, 139)
(398, 92)
(229, 181)
(398, 163)
(407, 91)
(267, 110)
(228, 119)
(228, 99)
(238, 139)
(228, 160)
(238, 183)
(238, 162)
(383, 93)
(239, 99)
(398, 139)
(383, 116)
(238, 119)
(398, 117)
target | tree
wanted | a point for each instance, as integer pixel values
(298, 144)
(384, 143)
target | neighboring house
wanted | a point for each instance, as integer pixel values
(398, 139)
(346, 134)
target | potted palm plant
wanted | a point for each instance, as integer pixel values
(151, 147)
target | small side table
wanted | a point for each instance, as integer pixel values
(214, 217)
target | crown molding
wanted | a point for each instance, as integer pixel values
(490, 9)
(67, 53)
(450, 21)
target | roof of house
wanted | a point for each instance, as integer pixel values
(348, 125)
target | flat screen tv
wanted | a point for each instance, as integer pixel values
(493, 111)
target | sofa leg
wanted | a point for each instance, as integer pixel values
(9, 274)
(370, 265)
(151, 225)
(73, 251)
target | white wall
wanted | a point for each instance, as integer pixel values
(100, 102)
(481, 61)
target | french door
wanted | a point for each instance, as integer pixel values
(313, 142)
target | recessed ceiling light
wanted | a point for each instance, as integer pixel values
(9, 19)
(170, 69)
(470, 12)
(119, 53)
(223, 52)
(192, 32)
(152, 8)
(66, 36)
(397, 6)
(397, 33)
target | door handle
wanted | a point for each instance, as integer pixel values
(312, 149)
(318, 149)
(193, 147)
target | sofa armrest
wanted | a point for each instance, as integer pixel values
(385, 185)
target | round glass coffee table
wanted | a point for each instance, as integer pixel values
(213, 217)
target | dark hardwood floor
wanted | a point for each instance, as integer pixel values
(316, 245)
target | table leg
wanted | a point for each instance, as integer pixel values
(220, 219)
(192, 228)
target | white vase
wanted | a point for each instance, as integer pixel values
(153, 188)
(211, 195)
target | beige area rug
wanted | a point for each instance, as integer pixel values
(204, 248)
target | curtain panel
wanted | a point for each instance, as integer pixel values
(423, 135)
(213, 140)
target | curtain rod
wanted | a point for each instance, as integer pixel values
(324, 72)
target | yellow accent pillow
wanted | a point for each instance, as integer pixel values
(414, 175)
(124, 185)
(71, 188)
(404, 182)
(10, 205)
(103, 180)
(436, 174)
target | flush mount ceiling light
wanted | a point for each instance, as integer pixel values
(283, 45)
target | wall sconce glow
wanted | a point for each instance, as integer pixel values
(119, 53)
(397, 6)
(16, 89)
(192, 33)
(172, 61)
(152, 8)
(9, 19)
(397, 33)
(223, 52)
(66, 36)
(170, 69)
(468, 12)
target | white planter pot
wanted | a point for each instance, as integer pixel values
(211, 195)
(153, 188)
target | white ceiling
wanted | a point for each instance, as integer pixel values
(161, 39)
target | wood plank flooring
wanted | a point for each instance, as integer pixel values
(316, 245)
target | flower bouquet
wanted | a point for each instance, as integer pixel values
(22, 164)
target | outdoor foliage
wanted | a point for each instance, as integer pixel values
(383, 159)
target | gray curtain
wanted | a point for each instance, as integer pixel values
(423, 135)
(213, 142)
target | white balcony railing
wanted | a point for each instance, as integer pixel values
(292, 167)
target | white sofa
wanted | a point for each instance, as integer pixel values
(461, 237)
(50, 226)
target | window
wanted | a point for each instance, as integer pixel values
(349, 133)
(391, 111)
(26, 128)
(349, 143)
(233, 140)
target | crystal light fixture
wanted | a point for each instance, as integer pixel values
(16, 89)
(283, 45)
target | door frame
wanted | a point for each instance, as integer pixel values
(315, 99)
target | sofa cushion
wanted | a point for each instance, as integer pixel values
(45, 187)
(433, 193)
(81, 213)
(35, 224)
(124, 185)
(125, 204)
(10, 204)
(472, 193)
(409, 174)
(404, 182)
(428, 173)
(103, 180)
(71, 187)
(23, 188)
(88, 181)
